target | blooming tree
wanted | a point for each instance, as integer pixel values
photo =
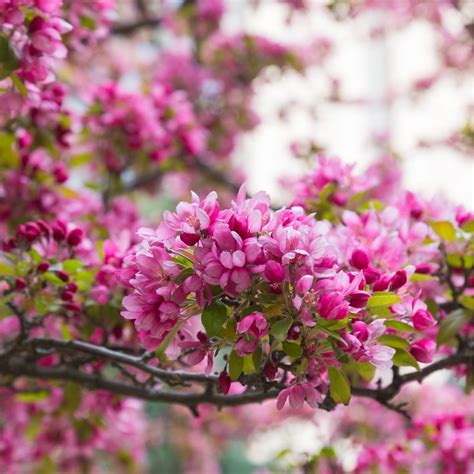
(353, 290)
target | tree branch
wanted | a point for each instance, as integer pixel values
(126, 29)
(21, 364)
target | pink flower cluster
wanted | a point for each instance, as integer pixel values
(124, 128)
(32, 431)
(250, 253)
(34, 32)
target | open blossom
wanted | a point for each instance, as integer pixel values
(299, 393)
(252, 329)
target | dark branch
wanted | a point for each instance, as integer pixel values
(21, 364)
(125, 29)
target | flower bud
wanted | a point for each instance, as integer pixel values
(20, 284)
(64, 276)
(75, 237)
(43, 267)
(398, 280)
(382, 283)
(67, 296)
(360, 259)
(223, 383)
(371, 275)
(359, 299)
(274, 271)
(359, 329)
(189, 239)
(422, 319)
(423, 350)
(59, 230)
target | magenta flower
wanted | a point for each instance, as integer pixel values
(297, 394)
(332, 306)
(190, 219)
(253, 328)
(225, 261)
(422, 319)
(423, 350)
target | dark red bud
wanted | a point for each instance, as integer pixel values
(75, 237)
(398, 280)
(20, 284)
(224, 383)
(64, 276)
(67, 296)
(43, 267)
(189, 239)
(360, 259)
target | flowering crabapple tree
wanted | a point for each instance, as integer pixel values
(225, 301)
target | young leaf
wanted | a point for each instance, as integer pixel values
(403, 359)
(382, 298)
(451, 325)
(445, 230)
(213, 318)
(396, 342)
(399, 325)
(236, 365)
(339, 387)
(279, 330)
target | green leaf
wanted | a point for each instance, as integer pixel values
(72, 265)
(467, 301)
(248, 366)
(32, 397)
(451, 325)
(445, 230)
(160, 351)
(236, 365)
(396, 342)
(382, 298)
(403, 359)
(6, 269)
(213, 318)
(293, 349)
(279, 330)
(399, 325)
(19, 85)
(53, 278)
(72, 397)
(421, 277)
(339, 387)
(8, 59)
(365, 370)
(468, 227)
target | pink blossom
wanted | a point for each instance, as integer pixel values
(299, 393)
(253, 328)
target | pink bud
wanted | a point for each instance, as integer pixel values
(224, 383)
(371, 275)
(359, 329)
(360, 259)
(382, 283)
(423, 350)
(64, 276)
(398, 280)
(423, 319)
(75, 237)
(59, 230)
(424, 268)
(67, 296)
(359, 299)
(274, 271)
(43, 267)
(189, 239)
